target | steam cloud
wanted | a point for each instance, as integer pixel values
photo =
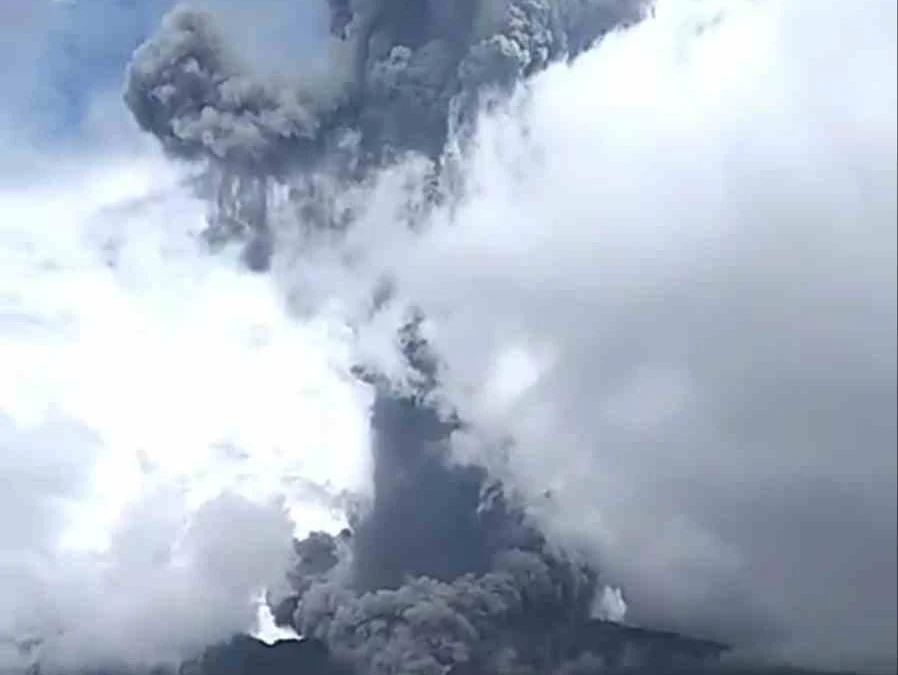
(112, 518)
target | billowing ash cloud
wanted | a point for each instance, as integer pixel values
(421, 64)
(408, 64)
(439, 572)
(187, 89)
(443, 571)
(426, 626)
(400, 76)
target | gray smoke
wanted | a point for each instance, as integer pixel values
(422, 64)
(412, 62)
(426, 626)
(189, 90)
(443, 571)
(440, 571)
(403, 76)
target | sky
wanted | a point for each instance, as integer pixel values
(671, 282)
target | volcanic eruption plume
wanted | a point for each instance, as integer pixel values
(440, 569)
(445, 567)
(572, 321)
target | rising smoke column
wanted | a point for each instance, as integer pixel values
(444, 573)
(441, 569)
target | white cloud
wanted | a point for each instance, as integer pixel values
(155, 401)
(697, 221)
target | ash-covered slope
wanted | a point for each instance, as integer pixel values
(244, 655)
(247, 656)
